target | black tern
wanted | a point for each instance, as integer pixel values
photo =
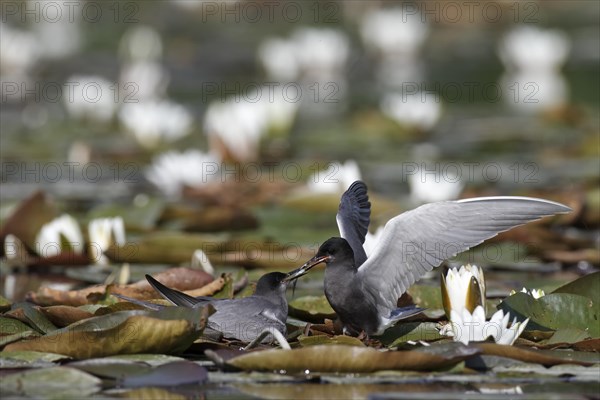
(364, 291)
(242, 319)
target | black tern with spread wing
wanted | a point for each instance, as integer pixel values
(242, 319)
(364, 294)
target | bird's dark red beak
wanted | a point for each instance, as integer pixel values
(297, 273)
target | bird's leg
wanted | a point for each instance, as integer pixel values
(363, 336)
(278, 336)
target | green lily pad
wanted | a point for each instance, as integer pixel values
(311, 308)
(172, 329)
(587, 285)
(55, 382)
(10, 326)
(415, 331)
(568, 335)
(31, 358)
(37, 319)
(555, 311)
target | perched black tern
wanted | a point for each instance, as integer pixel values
(242, 319)
(364, 291)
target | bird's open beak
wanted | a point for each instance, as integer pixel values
(303, 270)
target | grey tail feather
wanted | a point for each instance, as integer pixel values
(405, 312)
(146, 304)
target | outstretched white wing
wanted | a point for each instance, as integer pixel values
(419, 240)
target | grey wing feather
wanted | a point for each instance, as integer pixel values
(419, 240)
(353, 219)
(175, 296)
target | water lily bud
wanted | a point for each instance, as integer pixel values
(463, 288)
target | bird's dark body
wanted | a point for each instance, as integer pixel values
(356, 316)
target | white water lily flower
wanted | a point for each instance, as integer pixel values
(153, 122)
(90, 97)
(278, 57)
(421, 109)
(321, 52)
(462, 289)
(530, 48)
(102, 233)
(428, 185)
(236, 126)
(391, 31)
(171, 171)
(60, 234)
(535, 293)
(472, 327)
(335, 179)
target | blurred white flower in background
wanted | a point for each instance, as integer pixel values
(19, 48)
(102, 233)
(393, 32)
(153, 122)
(90, 97)
(59, 235)
(141, 43)
(142, 80)
(395, 37)
(415, 109)
(57, 31)
(278, 58)
(142, 77)
(531, 48)
(170, 172)
(533, 58)
(315, 59)
(428, 185)
(321, 52)
(335, 179)
(236, 125)
(535, 293)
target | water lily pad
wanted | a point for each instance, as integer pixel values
(56, 382)
(587, 285)
(33, 316)
(555, 311)
(127, 332)
(30, 358)
(545, 357)
(311, 308)
(415, 331)
(10, 326)
(568, 335)
(336, 358)
(316, 340)
(4, 340)
(65, 315)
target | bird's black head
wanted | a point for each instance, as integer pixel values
(271, 282)
(334, 249)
